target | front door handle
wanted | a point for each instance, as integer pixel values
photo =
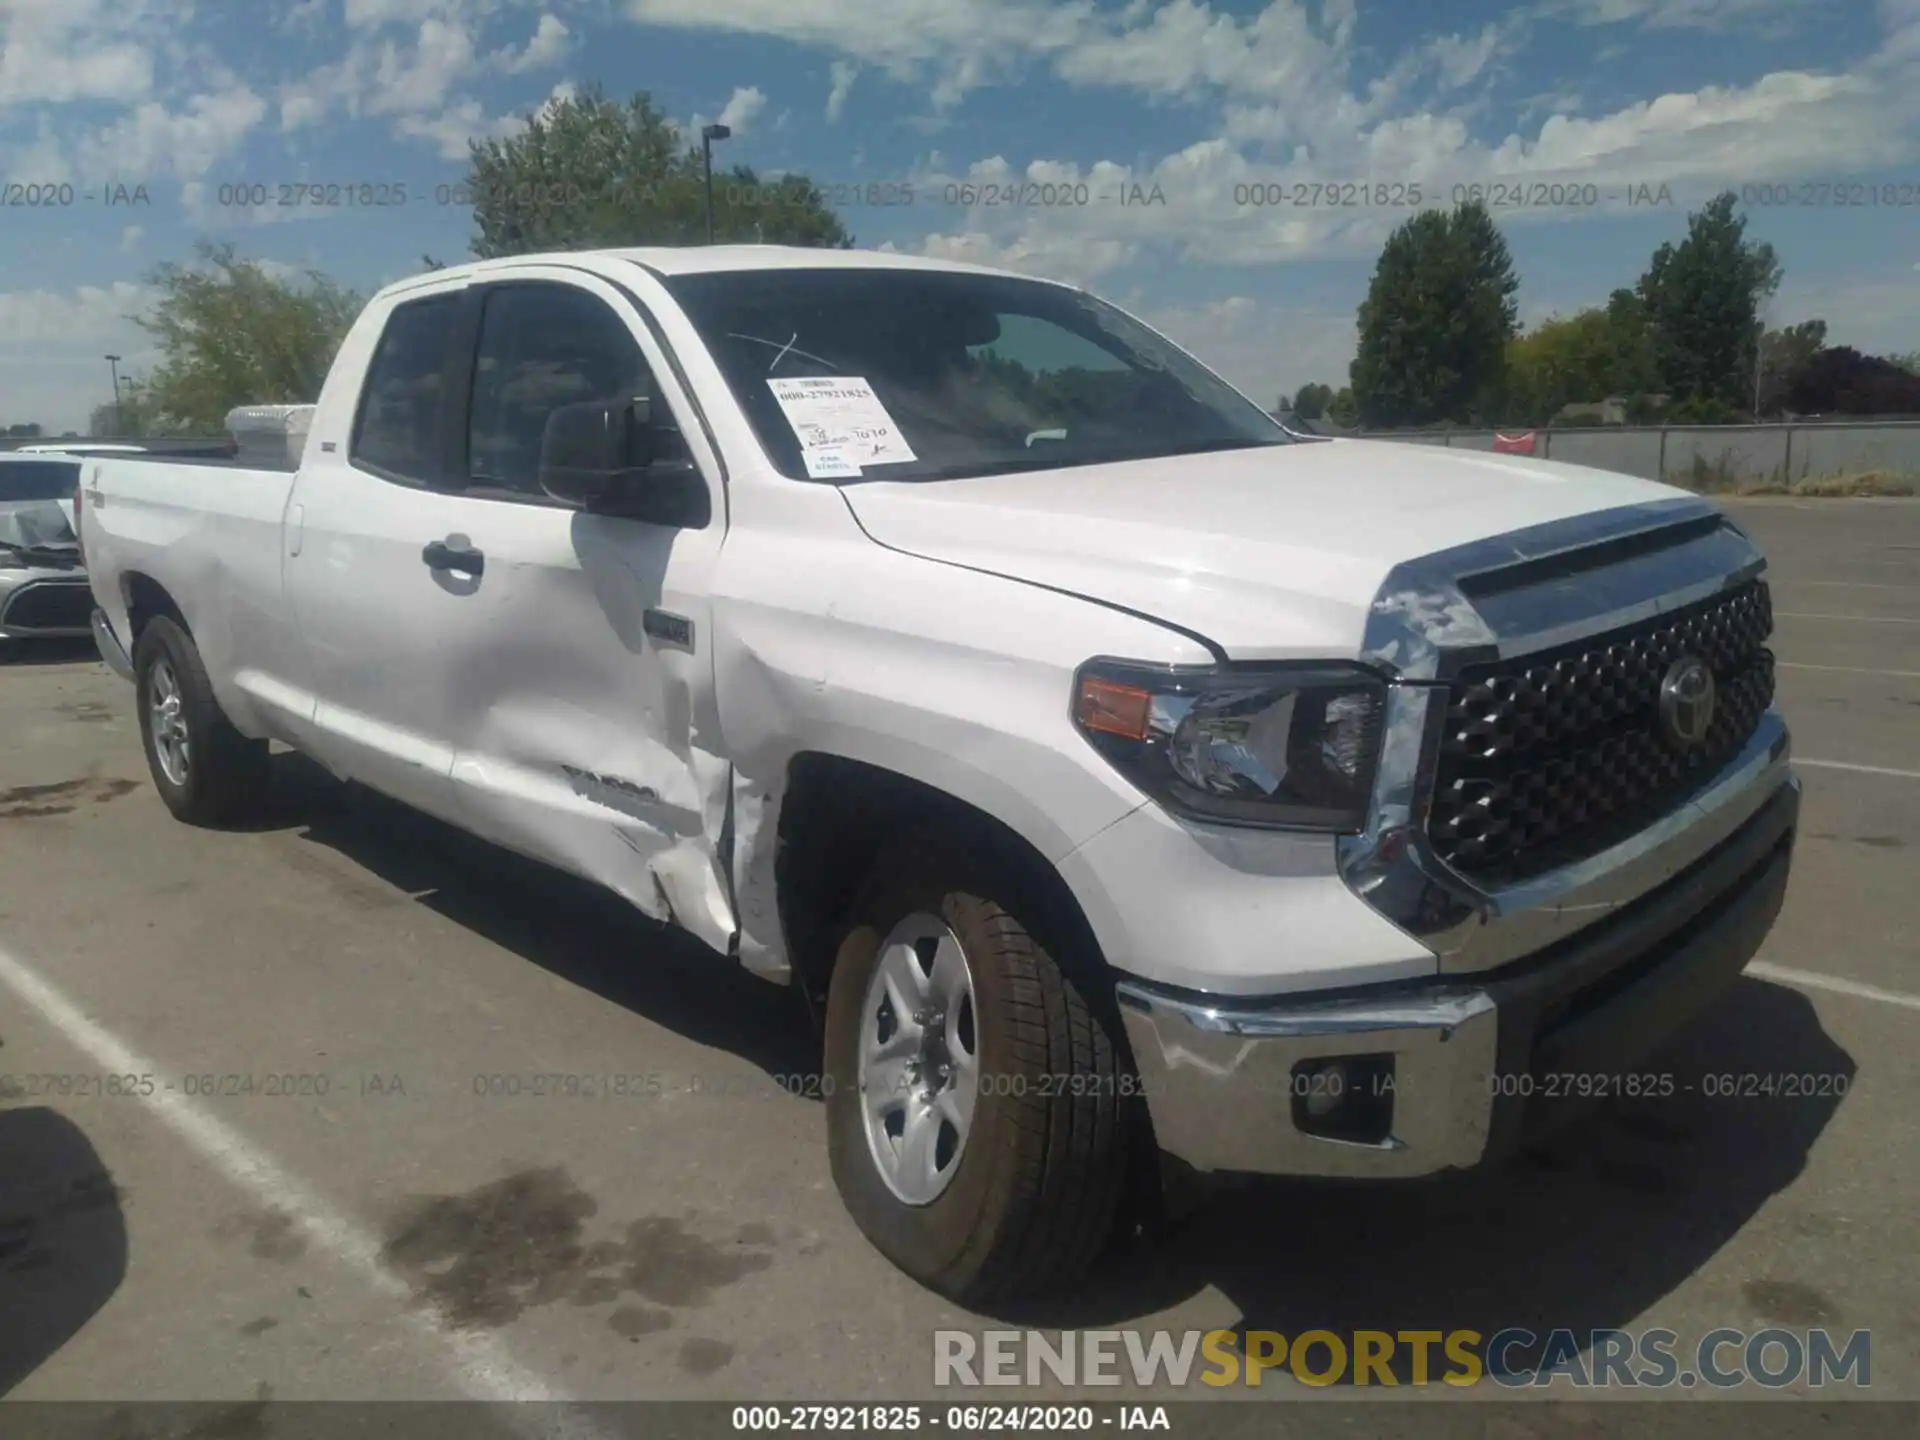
(454, 553)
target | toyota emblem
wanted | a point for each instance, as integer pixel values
(1687, 702)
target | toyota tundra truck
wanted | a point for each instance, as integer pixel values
(1114, 772)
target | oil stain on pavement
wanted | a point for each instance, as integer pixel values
(62, 797)
(484, 1258)
(270, 1235)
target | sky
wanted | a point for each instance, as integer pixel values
(1226, 170)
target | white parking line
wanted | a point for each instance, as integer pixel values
(1810, 980)
(1862, 769)
(478, 1366)
(1862, 619)
(1846, 669)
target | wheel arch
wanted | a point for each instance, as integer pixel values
(143, 597)
(836, 813)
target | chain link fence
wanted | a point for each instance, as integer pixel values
(1784, 456)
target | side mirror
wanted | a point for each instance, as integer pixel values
(609, 458)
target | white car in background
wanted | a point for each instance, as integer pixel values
(81, 447)
(43, 584)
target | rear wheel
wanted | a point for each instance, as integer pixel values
(206, 771)
(976, 1094)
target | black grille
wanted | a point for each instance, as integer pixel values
(1550, 758)
(49, 605)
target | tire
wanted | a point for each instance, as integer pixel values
(1031, 1195)
(221, 776)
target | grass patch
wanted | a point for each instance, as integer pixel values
(1718, 477)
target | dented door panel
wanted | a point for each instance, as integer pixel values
(585, 729)
(580, 739)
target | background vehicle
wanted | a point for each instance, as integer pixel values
(43, 589)
(1117, 774)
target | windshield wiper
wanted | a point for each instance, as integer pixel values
(1072, 459)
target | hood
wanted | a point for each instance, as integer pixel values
(46, 524)
(1278, 551)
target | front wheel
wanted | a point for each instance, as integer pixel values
(977, 1094)
(206, 771)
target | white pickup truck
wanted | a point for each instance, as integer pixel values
(1133, 788)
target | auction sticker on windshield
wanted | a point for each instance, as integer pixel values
(842, 425)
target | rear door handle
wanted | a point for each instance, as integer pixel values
(449, 555)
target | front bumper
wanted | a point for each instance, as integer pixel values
(1471, 1059)
(44, 604)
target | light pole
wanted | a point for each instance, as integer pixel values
(709, 134)
(113, 365)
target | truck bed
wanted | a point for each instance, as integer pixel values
(209, 533)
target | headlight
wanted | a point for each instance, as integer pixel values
(1286, 746)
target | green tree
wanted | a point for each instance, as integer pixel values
(232, 334)
(1343, 410)
(588, 172)
(1592, 355)
(1703, 299)
(24, 430)
(1910, 362)
(1785, 355)
(1311, 400)
(1561, 361)
(1436, 321)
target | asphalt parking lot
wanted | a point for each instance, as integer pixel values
(387, 1229)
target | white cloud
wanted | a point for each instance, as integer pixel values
(130, 238)
(371, 14)
(417, 81)
(1225, 204)
(1677, 14)
(304, 16)
(742, 106)
(186, 141)
(1052, 257)
(453, 127)
(842, 74)
(970, 39)
(60, 51)
(384, 75)
(1900, 20)
(1461, 59)
(548, 45)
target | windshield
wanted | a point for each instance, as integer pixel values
(948, 375)
(37, 480)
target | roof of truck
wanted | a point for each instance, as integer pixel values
(698, 259)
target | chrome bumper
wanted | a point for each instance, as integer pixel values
(1226, 1082)
(1222, 1084)
(111, 650)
